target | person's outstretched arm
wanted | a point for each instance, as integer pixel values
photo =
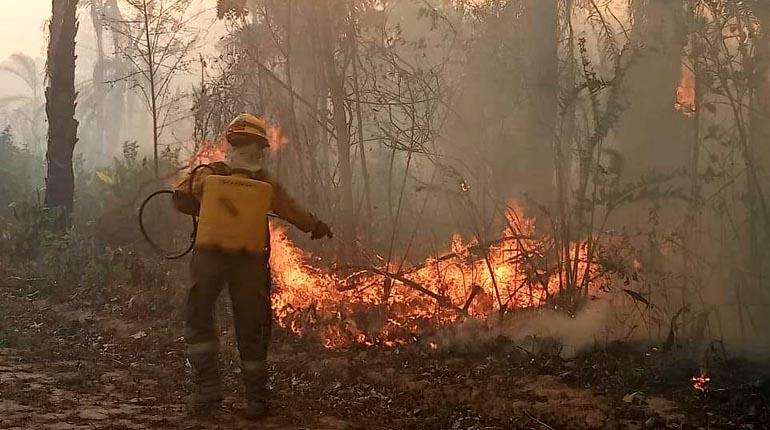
(288, 209)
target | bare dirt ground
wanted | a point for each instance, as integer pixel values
(87, 358)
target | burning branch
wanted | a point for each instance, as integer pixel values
(443, 301)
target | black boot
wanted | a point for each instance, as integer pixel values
(207, 381)
(257, 394)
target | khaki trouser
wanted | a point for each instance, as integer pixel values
(248, 280)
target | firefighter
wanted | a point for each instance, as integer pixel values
(244, 269)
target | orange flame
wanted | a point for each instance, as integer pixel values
(472, 280)
(210, 151)
(312, 301)
(277, 139)
(685, 92)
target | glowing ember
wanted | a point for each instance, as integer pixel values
(700, 383)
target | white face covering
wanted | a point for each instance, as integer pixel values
(248, 157)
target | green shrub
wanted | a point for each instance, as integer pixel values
(21, 174)
(32, 235)
(29, 227)
(76, 259)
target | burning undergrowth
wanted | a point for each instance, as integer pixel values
(471, 285)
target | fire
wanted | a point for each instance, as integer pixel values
(470, 281)
(700, 383)
(276, 137)
(685, 92)
(209, 151)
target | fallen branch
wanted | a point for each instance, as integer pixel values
(444, 301)
(16, 278)
(475, 250)
(441, 300)
(542, 424)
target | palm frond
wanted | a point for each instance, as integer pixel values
(608, 43)
(26, 63)
(18, 74)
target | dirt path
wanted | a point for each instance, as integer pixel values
(87, 359)
(68, 364)
(83, 395)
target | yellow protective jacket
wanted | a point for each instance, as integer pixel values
(282, 204)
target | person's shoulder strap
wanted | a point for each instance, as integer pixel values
(220, 168)
(260, 175)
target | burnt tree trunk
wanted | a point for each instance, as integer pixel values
(60, 105)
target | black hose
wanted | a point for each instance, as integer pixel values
(194, 171)
(154, 245)
(157, 247)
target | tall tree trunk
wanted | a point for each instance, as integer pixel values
(691, 230)
(760, 132)
(115, 103)
(651, 85)
(296, 131)
(542, 80)
(152, 76)
(60, 105)
(360, 125)
(337, 91)
(305, 78)
(563, 146)
(100, 90)
(336, 81)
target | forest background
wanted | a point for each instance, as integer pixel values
(618, 147)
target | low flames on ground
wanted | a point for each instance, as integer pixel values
(461, 284)
(386, 306)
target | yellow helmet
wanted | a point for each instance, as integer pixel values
(249, 125)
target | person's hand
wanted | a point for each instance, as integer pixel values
(320, 231)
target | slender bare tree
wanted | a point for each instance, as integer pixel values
(158, 38)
